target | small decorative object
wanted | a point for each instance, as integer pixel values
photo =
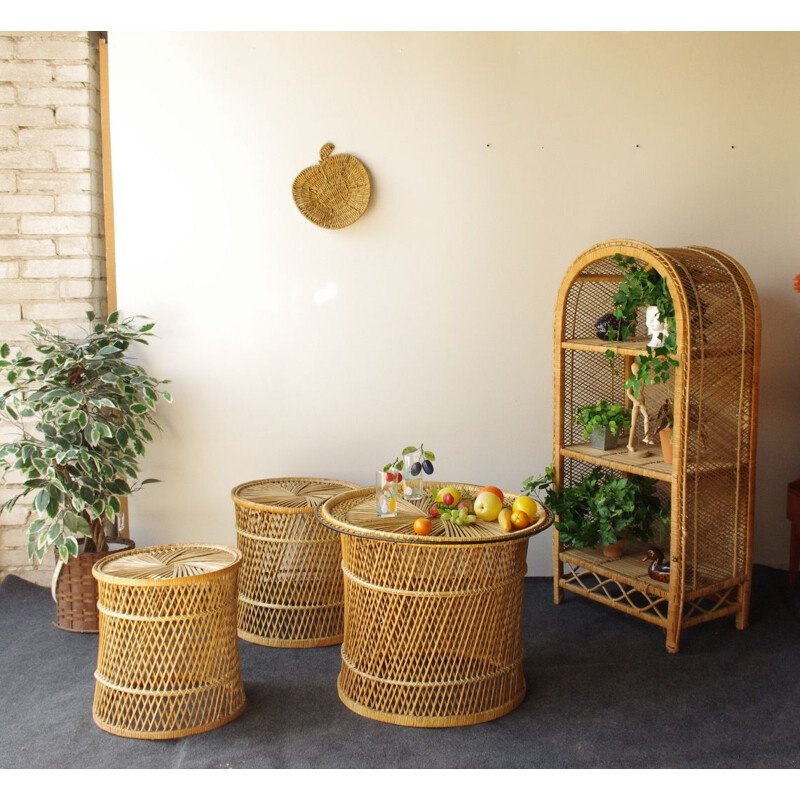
(663, 427)
(657, 570)
(608, 327)
(636, 395)
(387, 490)
(334, 193)
(416, 463)
(656, 328)
(602, 423)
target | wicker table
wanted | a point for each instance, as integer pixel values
(290, 588)
(433, 624)
(168, 657)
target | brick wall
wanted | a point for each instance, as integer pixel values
(52, 263)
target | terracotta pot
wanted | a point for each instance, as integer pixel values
(666, 444)
(614, 550)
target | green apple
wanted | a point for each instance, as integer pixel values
(488, 506)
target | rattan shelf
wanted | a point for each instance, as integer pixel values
(432, 632)
(714, 396)
(651, 466)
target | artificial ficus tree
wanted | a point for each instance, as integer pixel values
(84, 412)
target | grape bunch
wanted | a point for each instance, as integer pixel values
(458, 516)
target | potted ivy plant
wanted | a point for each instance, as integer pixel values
(602, 423)
(640, 287)
(84, 411)
(601, 509)
(575, 522)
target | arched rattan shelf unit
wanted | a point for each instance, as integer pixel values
(714, 393)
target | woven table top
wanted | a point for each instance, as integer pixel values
(167, 562)
(289, 494)
(353, 513)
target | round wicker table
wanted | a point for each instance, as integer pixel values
(433, 624)
(290, 587)
(168, 656)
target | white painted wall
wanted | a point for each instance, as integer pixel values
(495, 160)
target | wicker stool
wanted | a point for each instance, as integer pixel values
(290, 590)
(168, 657)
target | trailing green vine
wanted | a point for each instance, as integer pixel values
(643, 287)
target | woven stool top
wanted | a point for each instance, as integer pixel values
(167, 562)
(353, 513)
(289, 495)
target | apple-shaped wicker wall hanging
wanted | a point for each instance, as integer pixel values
(335, 192)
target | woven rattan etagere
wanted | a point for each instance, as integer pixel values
(168, 656)
(713, 390)
(290, 588)
(433, 623)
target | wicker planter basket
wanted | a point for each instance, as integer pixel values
(168, 657)
(290, 589)
(75, 589)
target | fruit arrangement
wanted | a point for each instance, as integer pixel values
(462, 508)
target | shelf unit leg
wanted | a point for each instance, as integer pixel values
(558, 572)
(743, 616)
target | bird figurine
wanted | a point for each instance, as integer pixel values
(657, 570)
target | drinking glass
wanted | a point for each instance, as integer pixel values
(412, 485)
(387, 489)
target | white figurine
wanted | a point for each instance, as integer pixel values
(657, 329)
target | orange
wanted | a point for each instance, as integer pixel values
(422, 526)
(494, 490)
(519, 519)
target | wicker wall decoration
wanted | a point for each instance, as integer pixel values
(334, 193)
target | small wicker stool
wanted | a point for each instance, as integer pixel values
(168, 657)
(290, 590)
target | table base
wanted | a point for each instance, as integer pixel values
(432, 632)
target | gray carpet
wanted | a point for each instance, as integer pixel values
(602, 692)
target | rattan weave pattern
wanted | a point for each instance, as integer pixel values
(432, 633)
(290, 587)
(168, 659)
(75, 590)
